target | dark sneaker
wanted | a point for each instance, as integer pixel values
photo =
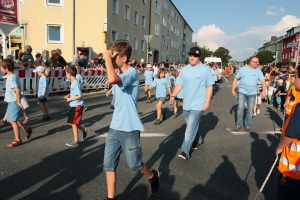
(157, 122)
(84, 133)
(155, 183)
(247, 128)
(28, 133)
(195, 145)
(72, 144)
(165, 114)
(84, 108)
(3, 121)
(183, 155)
(67, 113)
(112, 107)
(148, 100)
(46, 117)
(236, 128)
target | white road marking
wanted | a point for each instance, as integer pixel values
(142, 135)
(277, 131)
(225, 78)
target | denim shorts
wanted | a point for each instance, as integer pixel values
(126, 142)
(13, 111)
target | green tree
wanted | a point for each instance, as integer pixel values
(224, 54)
(265, 57)
(204, 53)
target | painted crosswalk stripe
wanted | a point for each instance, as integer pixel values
(142, 135)
(248, 132)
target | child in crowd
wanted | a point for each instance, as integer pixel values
(111, 91)
(270, 92)
(76, 103)
(258, 100)
(43, 92)
(293, 96)
(279, 91)
(172, 79)
(148, 81)
(288, 147)
(125, 128)
(13, 98)
(162, 85)
(80, 81)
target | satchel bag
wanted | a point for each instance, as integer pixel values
(23, 98)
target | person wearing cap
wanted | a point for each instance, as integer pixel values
(148, 81)
(82, 62)
(197, 83)
(43, 92)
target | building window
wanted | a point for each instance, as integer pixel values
(126, 36)
(136, 17)
(163, 39)
(164, 22)
(135, 43)
(115, 6)
(142, 45)
(55, 2)
(156, 29)
(55, 33)
(169, 18)
(114, 35)
(143, 21)
(126, 12)
(157, 7)
(144, 1)
(166, 4)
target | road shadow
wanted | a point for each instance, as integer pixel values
(276, 117)
(208, 122)
(58, 176)
(166, 151)
(233, 111)
(262, 157)
(224, 184)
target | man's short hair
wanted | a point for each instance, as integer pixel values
(38, 55)
(81, 54)
(72, 71)
(27, 47)
(123, 48)
(252, 57)
(10, 57)
(100, 54)
(8, 64)
(57, 50)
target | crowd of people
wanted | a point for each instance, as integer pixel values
(190, 86)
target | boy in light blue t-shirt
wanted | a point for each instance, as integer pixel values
(76, 103)
(125, 127)
(13, 98)
(43, 92)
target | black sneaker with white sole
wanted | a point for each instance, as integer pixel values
(183, 156)
(155, 182)
(195, 145)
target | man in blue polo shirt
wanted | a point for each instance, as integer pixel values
(248, 76)
(82, 62)
(197, 83)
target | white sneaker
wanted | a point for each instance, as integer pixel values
(254, 114)
(258, 111)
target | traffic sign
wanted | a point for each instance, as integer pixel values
(148, 38)
(292, 44)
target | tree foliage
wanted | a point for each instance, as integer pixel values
(221, 52)
(265, 57)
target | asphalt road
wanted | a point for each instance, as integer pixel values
(228, 165)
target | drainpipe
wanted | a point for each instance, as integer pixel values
(73, 42)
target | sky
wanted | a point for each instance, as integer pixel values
(242, 26)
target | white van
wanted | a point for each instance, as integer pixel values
(216, 60)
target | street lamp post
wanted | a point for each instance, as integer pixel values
(147, 39)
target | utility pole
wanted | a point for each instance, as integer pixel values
(298, 48)
(147, 39)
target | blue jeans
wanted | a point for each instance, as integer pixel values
(113, 100)
(126, 142)
(192, 119)
(241, 106)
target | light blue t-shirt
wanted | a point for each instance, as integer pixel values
(43, 83)
(194, 80)
(248, 78)
(78, 78)
(172, 80)
(11, 82)
(126, 117)
(161, 84)
(167, 76)
(148, 75)
(75, 90)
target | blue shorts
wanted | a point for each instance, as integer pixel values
(129, 143)
(13, 111)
